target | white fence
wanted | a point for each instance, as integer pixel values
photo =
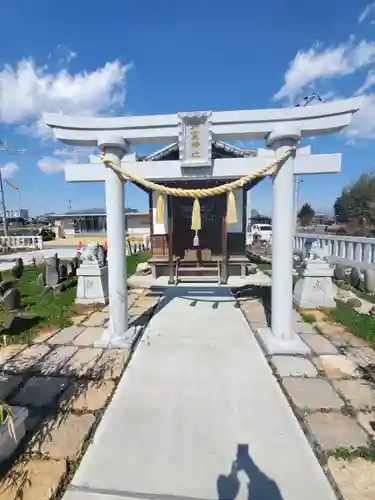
(34, 242)
(341, 248)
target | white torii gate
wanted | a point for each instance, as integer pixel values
(281, 128)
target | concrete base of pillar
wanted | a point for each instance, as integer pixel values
(274, 345)
(126, 341)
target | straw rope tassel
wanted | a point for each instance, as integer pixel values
(231, 208)
(159, 217)
(196, 216)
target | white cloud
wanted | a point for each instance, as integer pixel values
(27, 90)
(366, 12)
(67, 55)
(363, 124)
(9, 169)
(368, 83)
(318, 64)
(61, 158)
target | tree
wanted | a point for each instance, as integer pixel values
(306, 214)
(356, 204)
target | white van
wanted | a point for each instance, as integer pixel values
(262, 232)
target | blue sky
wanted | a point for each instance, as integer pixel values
(148, 56)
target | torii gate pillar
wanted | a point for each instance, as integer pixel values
(281, 338)
(114, 149)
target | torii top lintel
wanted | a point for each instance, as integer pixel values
(225, 125)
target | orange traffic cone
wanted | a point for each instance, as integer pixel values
(80, 244)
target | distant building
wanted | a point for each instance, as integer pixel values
(95, 222)
(18, 213)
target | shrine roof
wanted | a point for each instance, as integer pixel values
(219, 149)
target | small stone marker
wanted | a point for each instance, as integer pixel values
(339, 272)
(17, 269)
(41, 282)
(52, 270)
(63, 272)
(77, 260)
(355, 277)
(101, 255)
(11, 299)
(314, 286)
(369, 280)
(72, 270)
(5, 286)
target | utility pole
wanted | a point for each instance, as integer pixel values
(297, 181)
(5, 149)
(5, 221)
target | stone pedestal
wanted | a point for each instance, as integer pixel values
(314, 287)
(92, 284)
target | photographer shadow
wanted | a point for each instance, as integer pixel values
(260, 486)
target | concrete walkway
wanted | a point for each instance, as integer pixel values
(199, 415)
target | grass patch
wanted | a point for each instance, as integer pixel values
(351, 454)
(264, 266)
(133, 260)
(345, 285)
(42, 311)
(38, 310)
(361, 325)
(308, 318)
(366, 296)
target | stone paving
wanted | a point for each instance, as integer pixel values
(65, 383)
(330, 396)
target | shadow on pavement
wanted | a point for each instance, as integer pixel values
(260, 486)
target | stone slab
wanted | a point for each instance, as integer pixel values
(89, 336)
(319, 344)
(87, 395)
(199, 382)
(305, 328)
(34, 418)
(27, 358)
(40, 391)
(295, 366)
(273, 345)
(32, 480)
(77, 320)
(335, 430)
(56, 359)
(312, 394)
(336, 366)
(367, 421)
(67, 335)
(112, 363)
(9, 351)
(355, 478)
(337, 334)
(84, 363)
(96, 319)
(126, 341)
(362, 356)
(63, 437)
(359, 393)
(8, 383)
(44, 336)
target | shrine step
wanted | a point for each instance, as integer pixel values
(198, 279)
(198, 269)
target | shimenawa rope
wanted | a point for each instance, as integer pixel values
(198, 193)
